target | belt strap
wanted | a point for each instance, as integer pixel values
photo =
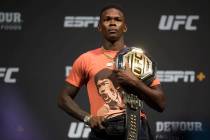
(133, 109)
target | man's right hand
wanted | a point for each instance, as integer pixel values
(96, 122)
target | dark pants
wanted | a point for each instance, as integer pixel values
(144, 132)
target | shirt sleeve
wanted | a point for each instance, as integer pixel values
(155, 82)
(77, 74)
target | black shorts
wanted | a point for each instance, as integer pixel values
(115, 130)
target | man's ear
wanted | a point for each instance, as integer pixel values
(99, 27)
(125, 28)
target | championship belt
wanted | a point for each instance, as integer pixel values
(144, 68)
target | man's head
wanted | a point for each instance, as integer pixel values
(112, 23)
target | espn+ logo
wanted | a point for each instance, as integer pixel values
(175, 22)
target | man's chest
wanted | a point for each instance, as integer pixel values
(97, 66)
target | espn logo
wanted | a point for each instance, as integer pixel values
(171, 22)
(176, 76)
(80, 21)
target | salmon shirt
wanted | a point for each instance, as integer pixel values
(95, 70)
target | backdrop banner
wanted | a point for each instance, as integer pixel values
(39, 41)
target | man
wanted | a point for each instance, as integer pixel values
(86, 70)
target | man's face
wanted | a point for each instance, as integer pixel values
(112, 24)
(107, 90)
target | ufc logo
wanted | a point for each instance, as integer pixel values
(78, 130)
(6, 74)
(80, 21)
(141, 64)
(172, 22)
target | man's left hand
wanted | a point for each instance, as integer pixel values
(125, 77)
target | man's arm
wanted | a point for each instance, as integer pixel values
(66, 102)
(153, 96)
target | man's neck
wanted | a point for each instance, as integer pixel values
(115, 46)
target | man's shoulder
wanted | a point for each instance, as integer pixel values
(94, 51)
(90, 53)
